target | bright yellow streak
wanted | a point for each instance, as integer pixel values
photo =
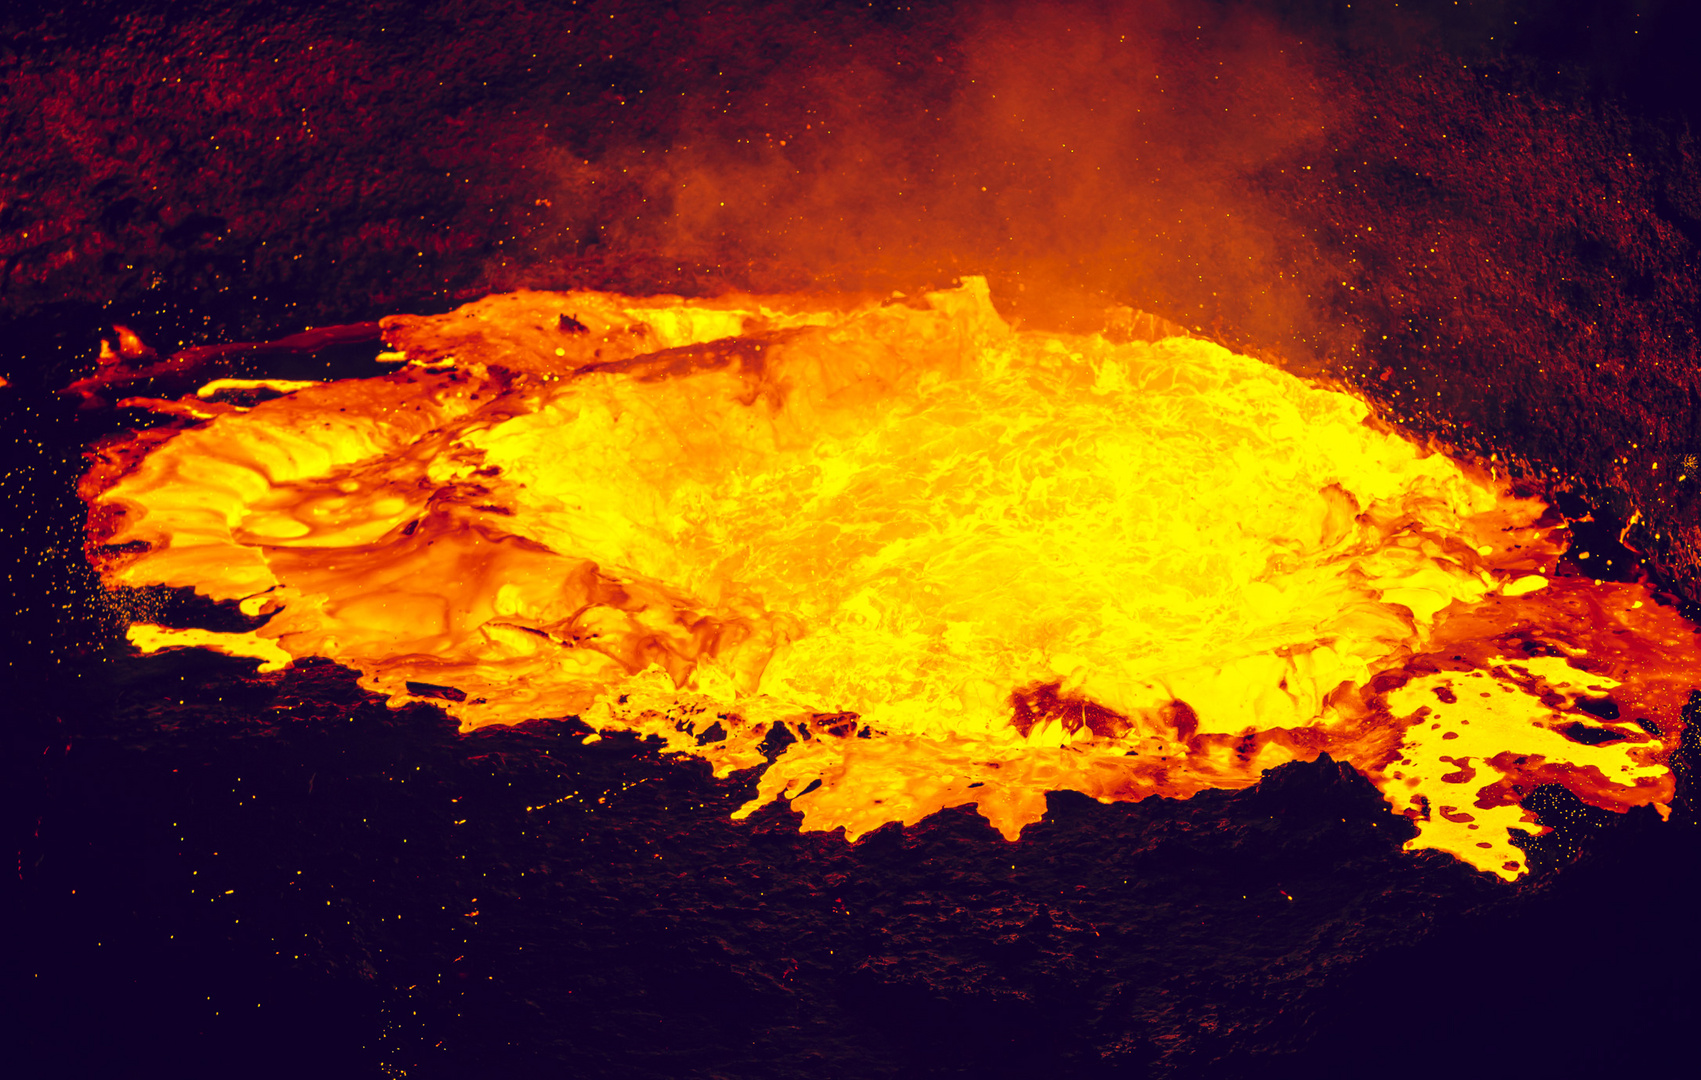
(958, 563)
(149, 638)
(1489, 724)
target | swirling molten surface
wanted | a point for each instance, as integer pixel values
(906, 557)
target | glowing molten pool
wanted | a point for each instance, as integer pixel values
(916, 557)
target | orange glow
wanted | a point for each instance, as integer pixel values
(956, 563)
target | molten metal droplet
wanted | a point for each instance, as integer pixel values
(915, 558)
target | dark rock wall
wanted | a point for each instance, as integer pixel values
(1486, 215)
(1517, 273)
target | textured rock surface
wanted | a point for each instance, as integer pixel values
(1389, 196)
(272, 871)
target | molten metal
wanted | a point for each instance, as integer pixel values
(916, 557)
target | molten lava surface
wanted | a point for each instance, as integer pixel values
(910, 557)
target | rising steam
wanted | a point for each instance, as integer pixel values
(1122, 149)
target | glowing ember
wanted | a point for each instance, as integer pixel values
(918, 558)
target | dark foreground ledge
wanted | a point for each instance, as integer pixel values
(267, 872)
